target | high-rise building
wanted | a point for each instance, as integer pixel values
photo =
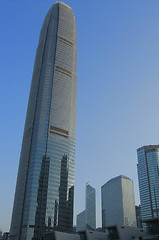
(87, 218)
(148, 175)
(45, 183)
(138, 216)
(118, 202)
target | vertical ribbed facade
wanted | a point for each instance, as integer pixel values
(45, 183)
(118, 202)
(148, 175)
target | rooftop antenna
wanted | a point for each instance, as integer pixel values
(88, 182)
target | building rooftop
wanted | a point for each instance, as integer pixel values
(115, 178)
(63, 4)
(148, 147)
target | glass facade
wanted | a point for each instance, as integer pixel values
(87, 218)
(138, 216)
(91, 206)
(148, 175)
(45, 183)
(81, 221)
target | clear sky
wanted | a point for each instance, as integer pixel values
(118, 89)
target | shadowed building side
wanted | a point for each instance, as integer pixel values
(65, 218)
(40, 225)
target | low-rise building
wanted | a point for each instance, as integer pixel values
(118, 232)
(85, 235)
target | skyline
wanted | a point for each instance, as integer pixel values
(125, 63)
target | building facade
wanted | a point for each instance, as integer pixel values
(138, 216)
(118, 202)
(148, 176)
(5, 236)
(45, 183)
(81, 221)
(87, 218)
(85, 235)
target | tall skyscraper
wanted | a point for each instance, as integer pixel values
(118, 202)
(87, 218)
(148, 175)
(45, 183)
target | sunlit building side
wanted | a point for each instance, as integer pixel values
(118, 202)
(45, 183)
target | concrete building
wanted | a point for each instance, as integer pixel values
(45, 183)
(60, 236)
(125, 233)
(92, 235)
(118, 203)
(87, 218)
(85, 235)
(114, 233)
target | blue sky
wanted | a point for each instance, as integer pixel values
(118, 86)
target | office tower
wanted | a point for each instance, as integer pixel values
(87, 218)
(45, 183)
(148, 175)
(138, 216)
(118, 203)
